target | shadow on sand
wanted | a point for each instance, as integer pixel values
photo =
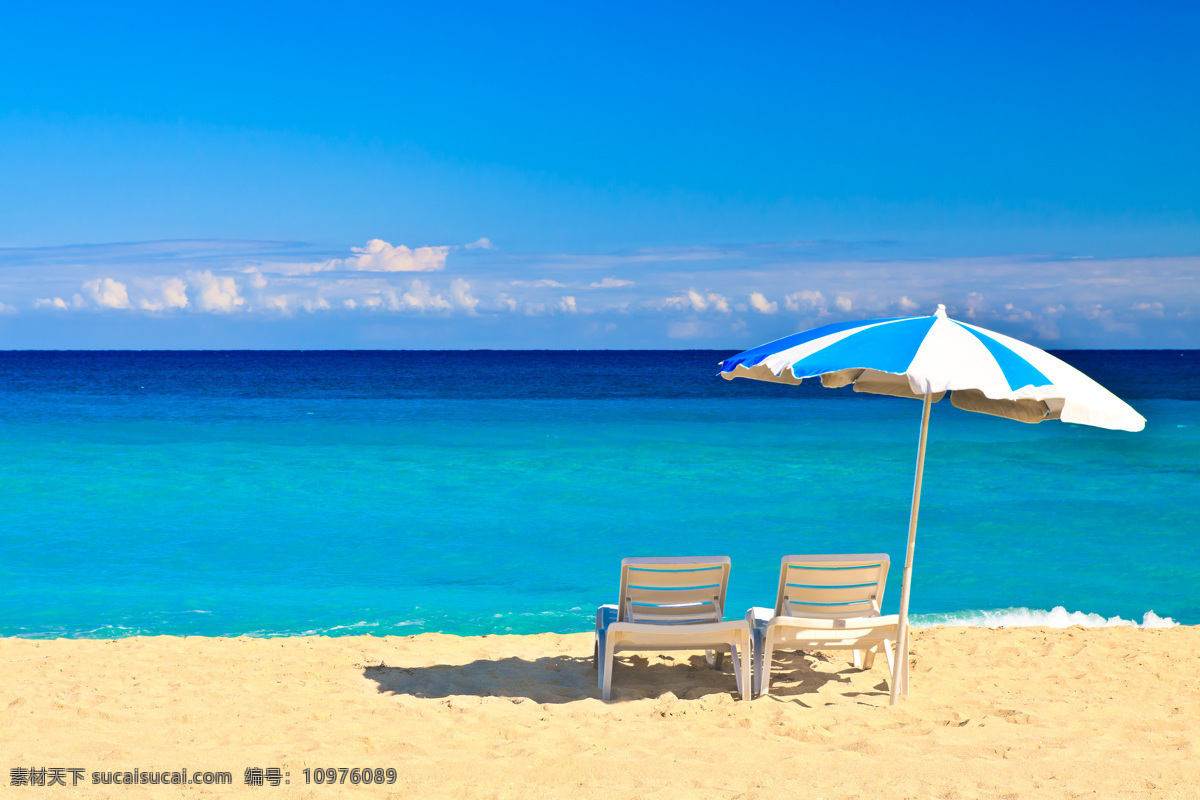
(799, 677)
(565, 679)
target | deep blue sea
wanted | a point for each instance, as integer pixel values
(283, 493)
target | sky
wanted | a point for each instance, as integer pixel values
(666, 175)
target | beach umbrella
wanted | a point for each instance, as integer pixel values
(924, 358)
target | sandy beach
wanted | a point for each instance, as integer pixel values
(1014, 713)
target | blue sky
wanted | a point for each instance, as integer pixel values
(535, 175)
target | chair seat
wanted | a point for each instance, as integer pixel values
(698, 636)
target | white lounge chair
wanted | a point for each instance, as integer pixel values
(826, 602)
(672, 604)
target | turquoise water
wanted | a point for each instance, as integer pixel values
(288, 493)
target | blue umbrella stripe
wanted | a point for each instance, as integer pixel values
(886, 348)
(1016, 370)
(755, 355)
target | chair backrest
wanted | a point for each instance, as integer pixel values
(832, 586)
(673, 591)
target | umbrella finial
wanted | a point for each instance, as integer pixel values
(941, 311)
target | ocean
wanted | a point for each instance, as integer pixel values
(482, 492)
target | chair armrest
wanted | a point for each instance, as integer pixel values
(758, 617)
(605, 615)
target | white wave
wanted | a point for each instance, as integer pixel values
(1057, 617)
(354, 627)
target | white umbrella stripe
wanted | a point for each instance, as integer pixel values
(1081, 400)
(951, 358)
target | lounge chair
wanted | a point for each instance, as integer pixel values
(826, 602)
(672, 604)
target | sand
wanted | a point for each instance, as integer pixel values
(1008, 713)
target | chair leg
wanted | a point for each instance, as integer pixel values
(597, 656)
(757, 636)
(715, 658)
(886, 646)
(745, 667)
(599, 668)
(869, 657)
(606, 668)
(737, 670)
(764, 667)
(858, 659)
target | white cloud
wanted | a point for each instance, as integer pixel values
(718, 302)
(567, 305)
(761, 304)
(391, 301)
(164, 294)
(278, 303)
(380, 256)
(974, 305)
(540, 284)
(107, 293)
(504, 301)
(806, 300)
(51, 302)
(482, 243)
(422, 298)
(1047, 329)
(843, 303)
(906, 304)
(460, 294)
(611, 283)
(1153, 309)
(697, 301)
(257, 280)
(1107, 320)
(349, 303)
(217, 294)
(1014, 314)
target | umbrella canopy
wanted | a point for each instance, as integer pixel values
(983, 370)
(923, 358)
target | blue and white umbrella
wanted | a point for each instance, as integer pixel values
(923, 358)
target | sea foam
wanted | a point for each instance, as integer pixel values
(1057, 617)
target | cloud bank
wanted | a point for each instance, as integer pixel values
(476, 294)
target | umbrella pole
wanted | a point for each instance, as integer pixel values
(900, 674)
